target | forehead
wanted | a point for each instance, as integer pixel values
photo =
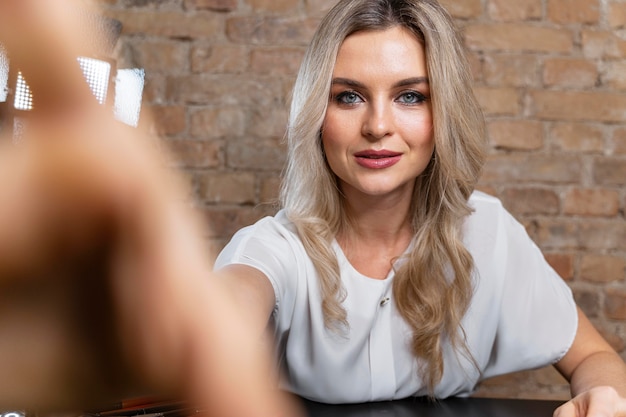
(393, 51)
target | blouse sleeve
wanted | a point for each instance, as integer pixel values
(266, 246)
(529, 316)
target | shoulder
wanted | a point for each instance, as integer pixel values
(273, 236)
(488, 214)
(491, 227)
(484, 204)
(277, 227)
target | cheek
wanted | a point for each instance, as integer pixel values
(334, 135)
(331, 150)
(332, 127)
(419, 131)
(334, 146)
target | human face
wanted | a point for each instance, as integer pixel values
(377, 132)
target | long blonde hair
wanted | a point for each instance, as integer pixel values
(433, 287)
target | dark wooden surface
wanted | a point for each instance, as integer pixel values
(452, 407)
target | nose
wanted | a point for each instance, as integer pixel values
(378, 121)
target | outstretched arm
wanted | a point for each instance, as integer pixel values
(597, 375)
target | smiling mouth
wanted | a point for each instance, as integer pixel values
(376, 155)
(377, 160)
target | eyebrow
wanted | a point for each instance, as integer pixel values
(402, 83)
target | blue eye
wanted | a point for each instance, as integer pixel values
(412, 97)
(348, 97)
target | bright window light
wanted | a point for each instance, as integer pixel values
(23, 95)
(128, 88)
(97, 74)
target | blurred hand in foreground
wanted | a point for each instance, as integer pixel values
(105, 285)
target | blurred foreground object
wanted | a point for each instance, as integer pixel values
(118, 89)
(105, 288)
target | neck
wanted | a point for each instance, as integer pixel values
(383, 221)
(378, 233)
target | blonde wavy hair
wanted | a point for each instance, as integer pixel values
(433, 286)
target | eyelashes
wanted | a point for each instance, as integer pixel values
(351, 98)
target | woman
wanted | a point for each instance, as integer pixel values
(385, 275)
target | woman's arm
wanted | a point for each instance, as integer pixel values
(597, 375)
(251, 293)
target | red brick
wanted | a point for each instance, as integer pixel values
(518, 37)
(602, 268)
(217, 5)
(161, 4)
(227, 188)
(225, 90)
(319, 7)
(610, 171)
(617, 15)
(281, 61)
(591, 202)
(556, 234)
(219, 59)
(486, 188)
(614, 75)
(602, 44)
(169, 120)
(463, 9)
(476, 66)
(588, 301)
(262, 155)
(618, 141)
(511, 70)
(169, 23)
(579, 137)
(270, 30)
(566, 72)
(516, 134)
(154, 89)
(525, 385)
(562, 263)
(498, 101)
(516, 379)
(611, 335)
(269, 189)
(224, 222)
(574, 11)
(268, 123)
(507, 11)
(578, 106)
(603, 235)
(519, 168)
(218, 122)
(161, 57)
(615, 303)
(524, 201)
(281, 6)
(195, 154)
(549, 376)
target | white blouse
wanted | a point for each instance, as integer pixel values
(522, 314)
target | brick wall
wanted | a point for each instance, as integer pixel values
(550, 75)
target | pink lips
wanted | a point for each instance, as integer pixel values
(377, 159)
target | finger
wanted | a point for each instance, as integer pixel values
(43, 40)
(601, 401)
(566, 410)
